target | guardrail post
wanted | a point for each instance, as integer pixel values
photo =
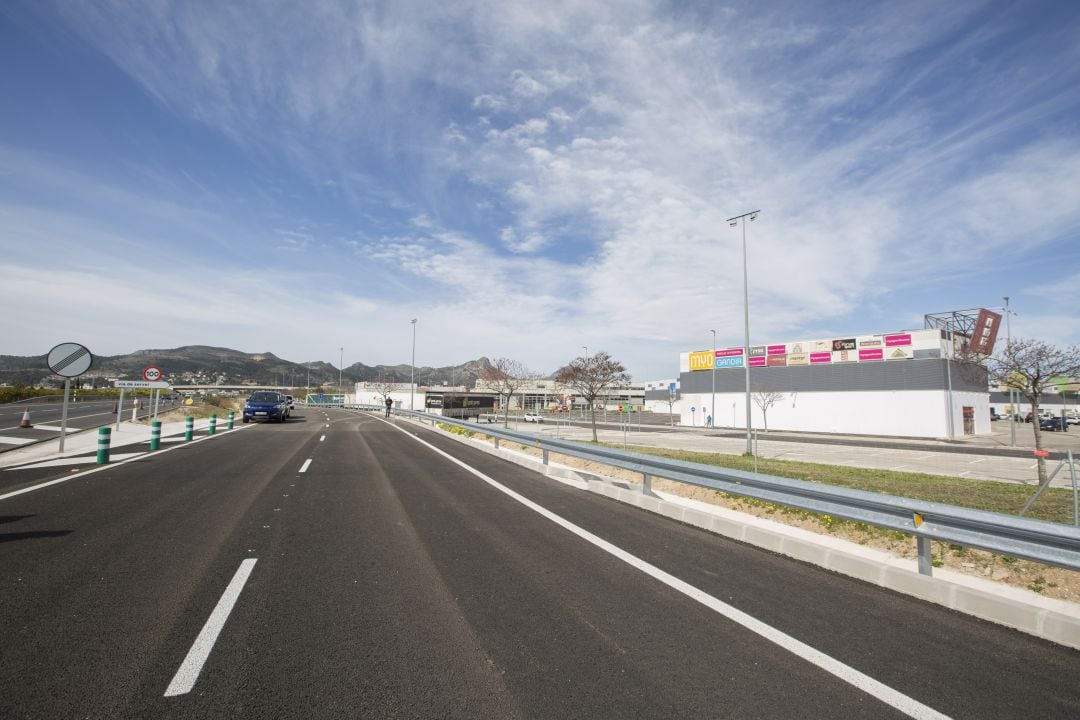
(155, 434)
(496, 443)
(232, 415)
(189, 427)
(646, 484)
(103, 439)
(926, 559)
(545, 457)
(213, 424)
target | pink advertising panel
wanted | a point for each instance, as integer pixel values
(894, 340)
(872, 354)
(758, 361)
(820, 357)
(776, 350)
(729, 352)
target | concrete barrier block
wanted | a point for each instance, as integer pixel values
(854, 566)
(727, 527)
(805, 551)
(1061, 629)
(996, 608)
(912, 583)
(763, 538)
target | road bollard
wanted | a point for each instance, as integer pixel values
(213, 424)
(103, 438)
(189, 428)
(232, 415)
(155, 435)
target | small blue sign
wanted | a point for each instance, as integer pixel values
(692, 408)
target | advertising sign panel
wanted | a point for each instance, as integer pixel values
(776, 350)
(798, 359)
(820, 346)
(900, 353)
(729, 352)
(820, 357)
(757, 361)
(894, 340)
(843, 344)
(701, 360)
(757, 351)
(871, 341)
(729, 362)
(777, 360)
(985, 332)
(842, 356)
(799, 347)
(871, 354)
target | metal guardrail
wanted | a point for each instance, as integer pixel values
(1038, 540)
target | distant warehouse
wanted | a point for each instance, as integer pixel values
(900, 384)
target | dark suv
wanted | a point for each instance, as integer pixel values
(1054, 423)
(266, 405)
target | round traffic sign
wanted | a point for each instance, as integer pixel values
(70, 360)
(152, 373)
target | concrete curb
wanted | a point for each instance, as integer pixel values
(1054, 620)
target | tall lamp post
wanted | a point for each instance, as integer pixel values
(412, 370)
(733, 221)
(1012, 403)
(712, 407)
(341, 364)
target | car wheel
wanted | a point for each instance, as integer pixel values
(245, 420)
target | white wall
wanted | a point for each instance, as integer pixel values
(911, 413)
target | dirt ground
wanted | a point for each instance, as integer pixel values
(1043, 579)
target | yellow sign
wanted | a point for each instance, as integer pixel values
(702, 360)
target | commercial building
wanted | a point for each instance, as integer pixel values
(906, 384)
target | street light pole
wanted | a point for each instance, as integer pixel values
(1012, 403)
(412, 370)
(341, 364)
(733, 221)
(712, 407)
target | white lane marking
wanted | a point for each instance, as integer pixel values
(113, 457)
(898, 467)
(322, 438)
(304, 467)
(15, 440)
(907, 705)
(327, 424)
(55, 428)
(189, 670)
(81, 475)
(977, 461)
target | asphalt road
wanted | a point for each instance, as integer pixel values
(351, 570)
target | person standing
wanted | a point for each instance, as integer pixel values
(389, 404)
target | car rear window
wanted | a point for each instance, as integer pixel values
(263, 397)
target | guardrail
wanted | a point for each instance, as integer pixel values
(1038, 540)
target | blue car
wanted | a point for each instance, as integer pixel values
(266, 405)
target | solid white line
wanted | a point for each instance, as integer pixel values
(322, 438)
(304, 467)
(977, 461)
(907, 705)
(189, 670)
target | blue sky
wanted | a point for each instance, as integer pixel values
(530, 178)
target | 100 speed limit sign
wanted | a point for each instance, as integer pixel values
(152, 373)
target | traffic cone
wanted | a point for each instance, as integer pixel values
(25, 422)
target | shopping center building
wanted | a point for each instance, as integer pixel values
(906, 384)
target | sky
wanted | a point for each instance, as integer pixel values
(530, 179)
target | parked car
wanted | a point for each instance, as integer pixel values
(1073, 419)
(1054, 424)
(266, 405)
(289, 399)
(533, 418)
(994, 414)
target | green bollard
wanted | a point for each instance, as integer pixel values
(232, 415)
(189, 428)
(155, 435)
(213, 424)
(103, 437)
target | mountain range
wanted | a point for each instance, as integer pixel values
(201, 364)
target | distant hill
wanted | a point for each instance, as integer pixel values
(202, 364)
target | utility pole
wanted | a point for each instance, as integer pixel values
(733, 221)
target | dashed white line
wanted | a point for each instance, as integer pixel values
(322, 438)
(977, 461)
(189, 670)
(304, 467)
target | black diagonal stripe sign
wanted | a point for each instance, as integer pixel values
(70, 359)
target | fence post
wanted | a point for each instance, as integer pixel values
(926, 559)
(496, 443)
(646, 484)
(189, 427)
(545, 457)
(103, 438)
(155, 434)
(213, 424)
(232, 415)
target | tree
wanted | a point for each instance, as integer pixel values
(505, 377)
(1030, 367)
(589, 377)
(765, 399)
(384, 386)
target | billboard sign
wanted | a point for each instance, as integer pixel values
(985, 332)
(895, 340)
(900, 353)
(729, 362)
(776, 350)
(871, 354)
(701, 360)
(758, 361)
(777, 360)
(729, 352)
(798, 359)
(757, 351)
(843, 344)
(817, 358)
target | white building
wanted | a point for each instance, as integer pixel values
(897, 384)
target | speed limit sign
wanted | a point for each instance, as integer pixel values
(152, 373)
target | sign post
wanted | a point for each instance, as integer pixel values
(152, 373)
(68, 360)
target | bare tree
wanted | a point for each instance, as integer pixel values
(765, 399)
(589, 377)
(506, 377)
(384, 386)
(1030, 367)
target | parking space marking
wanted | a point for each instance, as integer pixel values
(304, 467)
(193, 663)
